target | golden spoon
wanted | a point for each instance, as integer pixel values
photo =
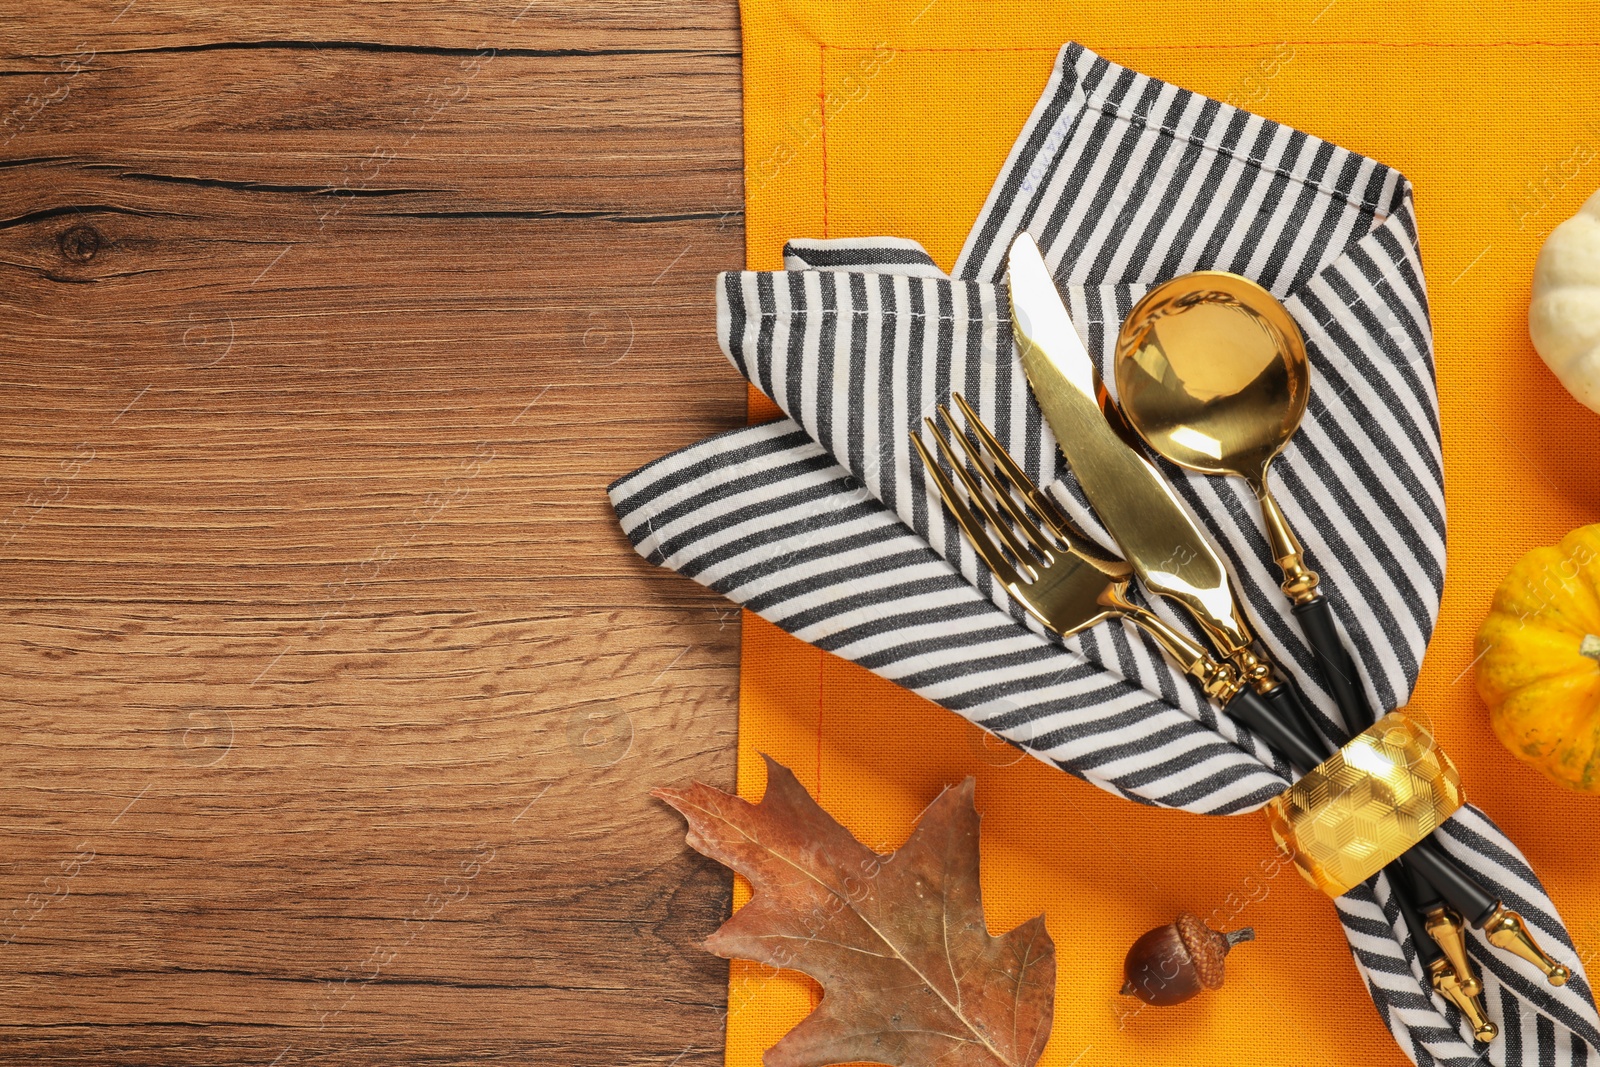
(1212, 373)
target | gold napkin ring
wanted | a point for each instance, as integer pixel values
(1388, 788)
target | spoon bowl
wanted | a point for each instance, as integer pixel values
(1212, 373)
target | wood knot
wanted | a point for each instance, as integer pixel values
(80, 243)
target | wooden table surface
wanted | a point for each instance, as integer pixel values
(332, 692)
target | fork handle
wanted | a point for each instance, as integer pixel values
(1258, 713)
(1291, 707)
(1186, 652)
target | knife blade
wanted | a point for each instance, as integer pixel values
(1168, 550)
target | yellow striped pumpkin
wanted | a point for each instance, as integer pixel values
(1539, 660)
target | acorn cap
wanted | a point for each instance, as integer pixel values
(1208, 948)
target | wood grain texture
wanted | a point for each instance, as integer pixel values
(332, 693)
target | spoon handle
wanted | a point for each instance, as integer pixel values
(1334, 662)
(1299, 580)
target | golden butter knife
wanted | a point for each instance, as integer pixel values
(1157, 536)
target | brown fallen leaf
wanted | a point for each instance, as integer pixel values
(910, 975)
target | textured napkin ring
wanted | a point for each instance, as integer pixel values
(1388, 788)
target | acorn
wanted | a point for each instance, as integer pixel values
(1172, 963)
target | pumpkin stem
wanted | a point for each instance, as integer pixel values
(1590, 647)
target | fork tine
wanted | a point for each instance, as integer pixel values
(970, 525)
(978, 500)
(1018, 512)
(992, 446)
(1009, 468)
(1054, 517)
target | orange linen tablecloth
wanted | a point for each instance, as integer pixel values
(889, 118)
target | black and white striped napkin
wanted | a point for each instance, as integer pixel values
(822, 521)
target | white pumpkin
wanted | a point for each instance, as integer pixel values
(1564, 318)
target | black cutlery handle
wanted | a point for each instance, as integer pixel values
(1404, 884)
(1275, 728)
(1286, 698)
(1457, 887)
(1334, 662)
(1427, 897)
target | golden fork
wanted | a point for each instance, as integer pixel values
(1065, 581)
(1056, 574)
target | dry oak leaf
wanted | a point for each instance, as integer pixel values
(909, 973)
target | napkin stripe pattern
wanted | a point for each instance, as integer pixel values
(858, 358)
(740, 513)
(876, 253)
(1123, 176)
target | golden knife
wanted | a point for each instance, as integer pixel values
(1157, 536)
